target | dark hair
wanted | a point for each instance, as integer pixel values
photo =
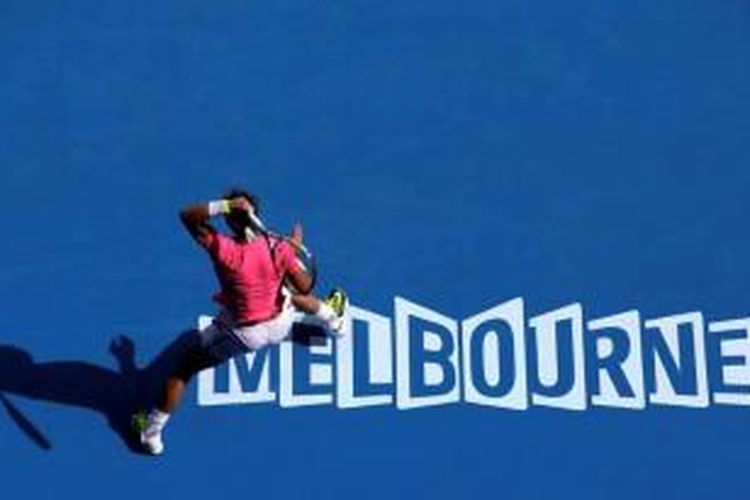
(243, 193)
(239, 220)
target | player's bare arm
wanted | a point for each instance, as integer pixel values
(299, 279)
(196, 217)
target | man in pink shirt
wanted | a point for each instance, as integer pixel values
(256, 307)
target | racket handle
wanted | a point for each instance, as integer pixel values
(257, 222)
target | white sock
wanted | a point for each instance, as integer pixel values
(156, 421)
(325, 313)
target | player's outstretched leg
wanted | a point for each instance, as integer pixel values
(149, 426)
(331, 310)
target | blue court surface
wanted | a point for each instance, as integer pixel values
(584, 165)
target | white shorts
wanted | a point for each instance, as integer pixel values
(223, 339)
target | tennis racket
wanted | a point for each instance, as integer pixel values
(305, 257)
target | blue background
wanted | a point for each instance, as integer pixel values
(455, 153)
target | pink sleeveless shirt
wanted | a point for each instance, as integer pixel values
(250, 274)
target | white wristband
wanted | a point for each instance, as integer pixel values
(218, 207)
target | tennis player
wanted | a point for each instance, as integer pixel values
(256, 309)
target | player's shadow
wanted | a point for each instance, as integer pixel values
(114, 393)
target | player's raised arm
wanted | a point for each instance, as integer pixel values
(196, 217)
